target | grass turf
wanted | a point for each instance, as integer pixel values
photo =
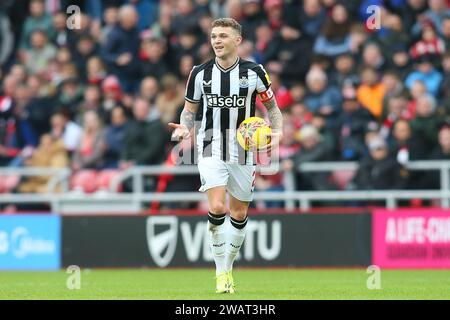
(192, 284)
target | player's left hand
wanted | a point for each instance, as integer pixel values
(275, 138)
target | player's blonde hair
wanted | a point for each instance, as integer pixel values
(227, 22)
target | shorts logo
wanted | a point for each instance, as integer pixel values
(243, 82)
(234, 101)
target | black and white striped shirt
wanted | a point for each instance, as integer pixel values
(227, 97)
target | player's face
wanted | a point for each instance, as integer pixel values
(225, 41)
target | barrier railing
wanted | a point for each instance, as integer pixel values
(290, 196)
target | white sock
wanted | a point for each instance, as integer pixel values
(217, 233)
(235, 238)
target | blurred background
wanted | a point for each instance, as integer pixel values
(85, 98)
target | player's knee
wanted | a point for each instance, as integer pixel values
(218, 207)
(239, 214)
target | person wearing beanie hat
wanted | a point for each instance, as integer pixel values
(379, 171)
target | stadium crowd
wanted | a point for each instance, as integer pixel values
(97, 98)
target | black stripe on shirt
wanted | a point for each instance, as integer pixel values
(262, 75)
(190, 89)
(243, 91)
(207, 145)
(225, 116)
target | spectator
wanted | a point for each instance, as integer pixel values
(90, 150)
(61, 32)
(411, 11)
(446, 32)
(68, 131)
(38, 20)
(110, 19)
(153, 61)
(326, 132)
(394, 37)
(41, 104)
(92, 100)
(37, 57)
(286, 47)
(114, 138)
(147, 10)
(170, 100)
(425, 71)
(417, 90)
(438, 9)
(404, 146)
(85, 49)
(313, 149)
(185, 18)
(11, 143)
(351, 125)
(274, 13)
(186, 65)
(396, 109)
(344, 66)
(188, 44)
(399, 61)
(371, 92)
(70, 96)
(440, 152)
(163, 27)
(112, 96)
(321, 98)
(86, 27)
(253, 17)
(311, 18)
(379, 171)
(144, 140)
(336, 38)
(121, 49)
(429, 44)
(63, 55)
(426, 123)
(297, 92)
(373, 57)
(393, 86)
(264, 35)
(22, 96)
(149, 90)
(19, 72)
(300, 115)
(445, 86)
(50, 153)
(245, 50)
(95, 70)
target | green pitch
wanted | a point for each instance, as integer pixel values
(186, 284)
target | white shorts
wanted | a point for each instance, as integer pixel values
(239, 179)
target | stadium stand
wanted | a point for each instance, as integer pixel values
(97, 99)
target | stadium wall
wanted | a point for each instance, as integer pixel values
(408, 238)
(272, 240)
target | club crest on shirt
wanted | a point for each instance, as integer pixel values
(243, 82)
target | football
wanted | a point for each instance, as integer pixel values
(254, 133)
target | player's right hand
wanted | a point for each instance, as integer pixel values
(180, 132)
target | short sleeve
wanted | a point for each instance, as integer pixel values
(263, 82)
(193, 89)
